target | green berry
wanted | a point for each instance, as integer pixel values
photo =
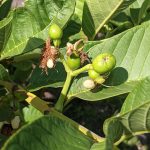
(104, 63)
(55, 32)
(73, 62)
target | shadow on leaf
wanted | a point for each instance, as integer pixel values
(118, 76)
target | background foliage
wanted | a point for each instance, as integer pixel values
(120, 27)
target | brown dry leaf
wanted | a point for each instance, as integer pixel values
(48, 52)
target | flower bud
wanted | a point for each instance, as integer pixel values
(50, 63)
(89, 84)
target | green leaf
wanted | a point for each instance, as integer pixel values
(30, 113)
(49, 132)
(73, 28)
(21, 76)
(40, 79)
(23, 65)
(79, 9)
(143, 10)
(5, 30)
(5, 8)
(98, 146)
(131, 49)
(30, 24)
(72, 31)
(97, 13)
(135, 112)
(101, 146)
(22, 72)
(138, 11)
(113, 130)
(34, 55)
(6, 112)
(139, 2)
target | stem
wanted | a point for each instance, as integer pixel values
(122, 139)
(83, 69)
(67, 69)
(60, 103)
(70, 74)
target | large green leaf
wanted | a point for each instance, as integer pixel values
(30, 24)
(97, 12)
(49, 132)
(132, 51)
(134, 115)
(135, 112)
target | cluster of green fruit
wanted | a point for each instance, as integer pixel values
(101, 65)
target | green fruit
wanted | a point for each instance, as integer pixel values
(99, 80)
(104, 63)
(93, 74)
(73, 62)
(55, 32)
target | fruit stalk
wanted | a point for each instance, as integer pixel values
(83, 69)
(60, 103)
